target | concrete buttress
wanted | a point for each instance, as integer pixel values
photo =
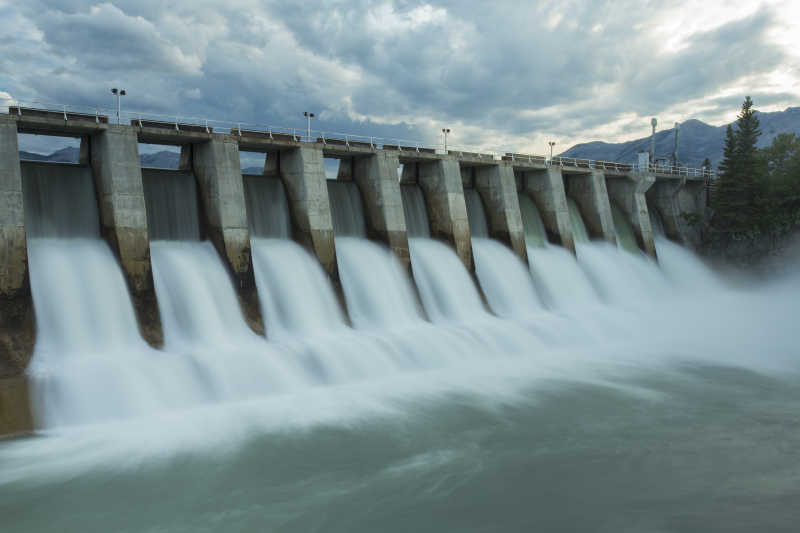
(123, 218)
(376, 178)
(17, 321)
(440, 181)
(219, 177)
(303, 173)
(588, 189)
(546, 187)
(629, 194)
(498, 190)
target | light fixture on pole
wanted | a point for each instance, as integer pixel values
(308, 116)
(445, 131)
(551, 143)
(118, 93)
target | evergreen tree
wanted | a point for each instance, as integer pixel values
(738, 198)
(706, 164)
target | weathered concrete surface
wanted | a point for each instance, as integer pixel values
(303, 173)
(692, 205)
(219, 177)
(123, 219)
(663, 197)
(498, 190)
(629, 194)
(440, 181)
(546, 187)
(376, 178)
(13, 249)
(15, 413)
(589, 192)
(17, 322)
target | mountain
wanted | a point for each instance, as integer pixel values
(163, 159)
(697, 140)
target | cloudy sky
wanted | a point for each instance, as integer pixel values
(501, 75)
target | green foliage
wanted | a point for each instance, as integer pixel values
(757, 190)
(691, 219)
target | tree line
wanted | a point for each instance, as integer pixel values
(758, 190)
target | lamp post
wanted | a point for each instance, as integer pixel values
(445, 131)
(308, 116)
(551, 143)
(118, 93)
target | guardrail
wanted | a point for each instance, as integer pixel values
(203, 124)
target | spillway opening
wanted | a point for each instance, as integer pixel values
(255, 163)
(163, 156)
(626, 237)
(52, 148)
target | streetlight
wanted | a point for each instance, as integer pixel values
(445, 131)
(119, 93)
(308, 116)
(551, 143)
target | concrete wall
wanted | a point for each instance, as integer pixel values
(376, 177)
(219, 177)
(303, 174)
(629, 194)
(692, 201)
(498, 190)
(589, 192)
(15, 412)
(440, 181)
(17, 322)
(123, 218)
(546, 187)
(663, 196)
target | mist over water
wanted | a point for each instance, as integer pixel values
(612, 393)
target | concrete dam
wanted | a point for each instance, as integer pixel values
(105, 257)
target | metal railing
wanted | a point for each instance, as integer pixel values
(241, 128)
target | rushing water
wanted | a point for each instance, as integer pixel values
(655, 397)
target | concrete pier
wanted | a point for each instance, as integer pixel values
(663, 197)
(692, 206)
(376, 178)
(17, 322)
(546, 188)
(219, 178)
(440, 181)
(588, 189)
(303, 174)
(123, 219)
(629, 194)
(498, 190)
(15, 412)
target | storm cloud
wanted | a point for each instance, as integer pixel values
(501, 75)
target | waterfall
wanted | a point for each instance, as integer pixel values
(90, 362)
(579, 233)
(656, 222)
(624, 231)
(267, 210)
(475, 213)
(446, 289)
(504, 279)
(415, 211)
(535, 233)
(559, 279)
(346, 209)
(171, 202)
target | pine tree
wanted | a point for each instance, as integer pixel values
(738, 198)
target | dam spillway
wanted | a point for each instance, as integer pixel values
(410, 360)
(208, 254)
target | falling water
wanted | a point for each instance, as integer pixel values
(477, 217)
(416, 214)
(579, 233)
(624, 231)
(346, 209)
(535, 234)
(267, 210)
